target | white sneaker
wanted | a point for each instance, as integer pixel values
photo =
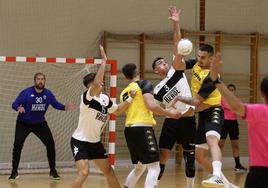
(213, 182)
(231, 186)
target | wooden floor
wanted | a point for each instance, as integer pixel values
(173, 178)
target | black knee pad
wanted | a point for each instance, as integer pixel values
(189, 158)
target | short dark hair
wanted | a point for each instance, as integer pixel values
(207, 48)
(155, 60)
(88, 79)
(129, 70)
(264, 87)
(38, 74)
(231, 85)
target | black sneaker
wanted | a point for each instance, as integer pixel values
(13, 176)
(240, 169)
(54, 175)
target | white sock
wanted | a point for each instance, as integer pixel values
(134, 175)
(152, 175)
(216, 165)
(190, 182)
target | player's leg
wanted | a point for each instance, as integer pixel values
(152, 175)
(43, 132)
(81, 157)
(134, 138)
(150, 157)
(257, 177)
(213, 129)
(21, 132)
(82, 173)
(234, 136)
(108, 172)
(224, 134)
(167, 140)
(187, 138)
(134, 175)
(201, 148)
(201, 157)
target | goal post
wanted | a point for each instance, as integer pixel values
(64, 79)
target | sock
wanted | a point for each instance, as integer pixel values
(216, 165)
(190, 182)
(152, 174)
(162, 169)
(237, 161)
(134, 175)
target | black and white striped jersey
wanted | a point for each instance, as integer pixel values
(94, 112)
(175, 84)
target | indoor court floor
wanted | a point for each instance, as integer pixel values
(173, 178)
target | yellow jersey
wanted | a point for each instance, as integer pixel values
(202, 85)
(137, 112)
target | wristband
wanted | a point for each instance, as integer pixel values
(129, 99)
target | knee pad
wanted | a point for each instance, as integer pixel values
(189, 157)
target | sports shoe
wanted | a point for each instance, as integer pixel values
(214, 181)
(54, 175)
(231, 186)
(240, 169)
(14, 175)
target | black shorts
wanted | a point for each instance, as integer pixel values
(181, 130)
(210, 119)
(86, 150)
(257, 177)
(230, 127)
(142, 144)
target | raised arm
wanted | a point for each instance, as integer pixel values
(98, 80)
(235, 104)
(175, 18)
(124, 105)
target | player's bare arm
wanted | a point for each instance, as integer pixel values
(175, 17)
(197, 100)
(98, 81)
(155, 108)
(124, 105)
(236, 105)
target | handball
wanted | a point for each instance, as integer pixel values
(184, 47)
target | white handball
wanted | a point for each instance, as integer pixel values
(181, 107)
(184, 47)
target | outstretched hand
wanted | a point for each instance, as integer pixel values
(215, 66)
(103, 54)
(174, 14)
(70, 106)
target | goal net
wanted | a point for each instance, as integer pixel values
(64, 78)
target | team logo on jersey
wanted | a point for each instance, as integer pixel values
(101, 117)
(196, 75)
(44, 97)
(166, 88)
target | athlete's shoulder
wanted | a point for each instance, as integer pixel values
(28, 90)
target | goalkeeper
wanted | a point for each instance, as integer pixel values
(32, 104)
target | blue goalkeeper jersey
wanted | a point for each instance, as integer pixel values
(35, 104)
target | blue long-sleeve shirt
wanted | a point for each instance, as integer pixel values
(35, 104)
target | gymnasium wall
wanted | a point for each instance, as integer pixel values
(69, 28)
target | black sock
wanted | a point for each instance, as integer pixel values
(162, 169)
(237, 161)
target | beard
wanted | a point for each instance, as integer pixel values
(39, 86)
